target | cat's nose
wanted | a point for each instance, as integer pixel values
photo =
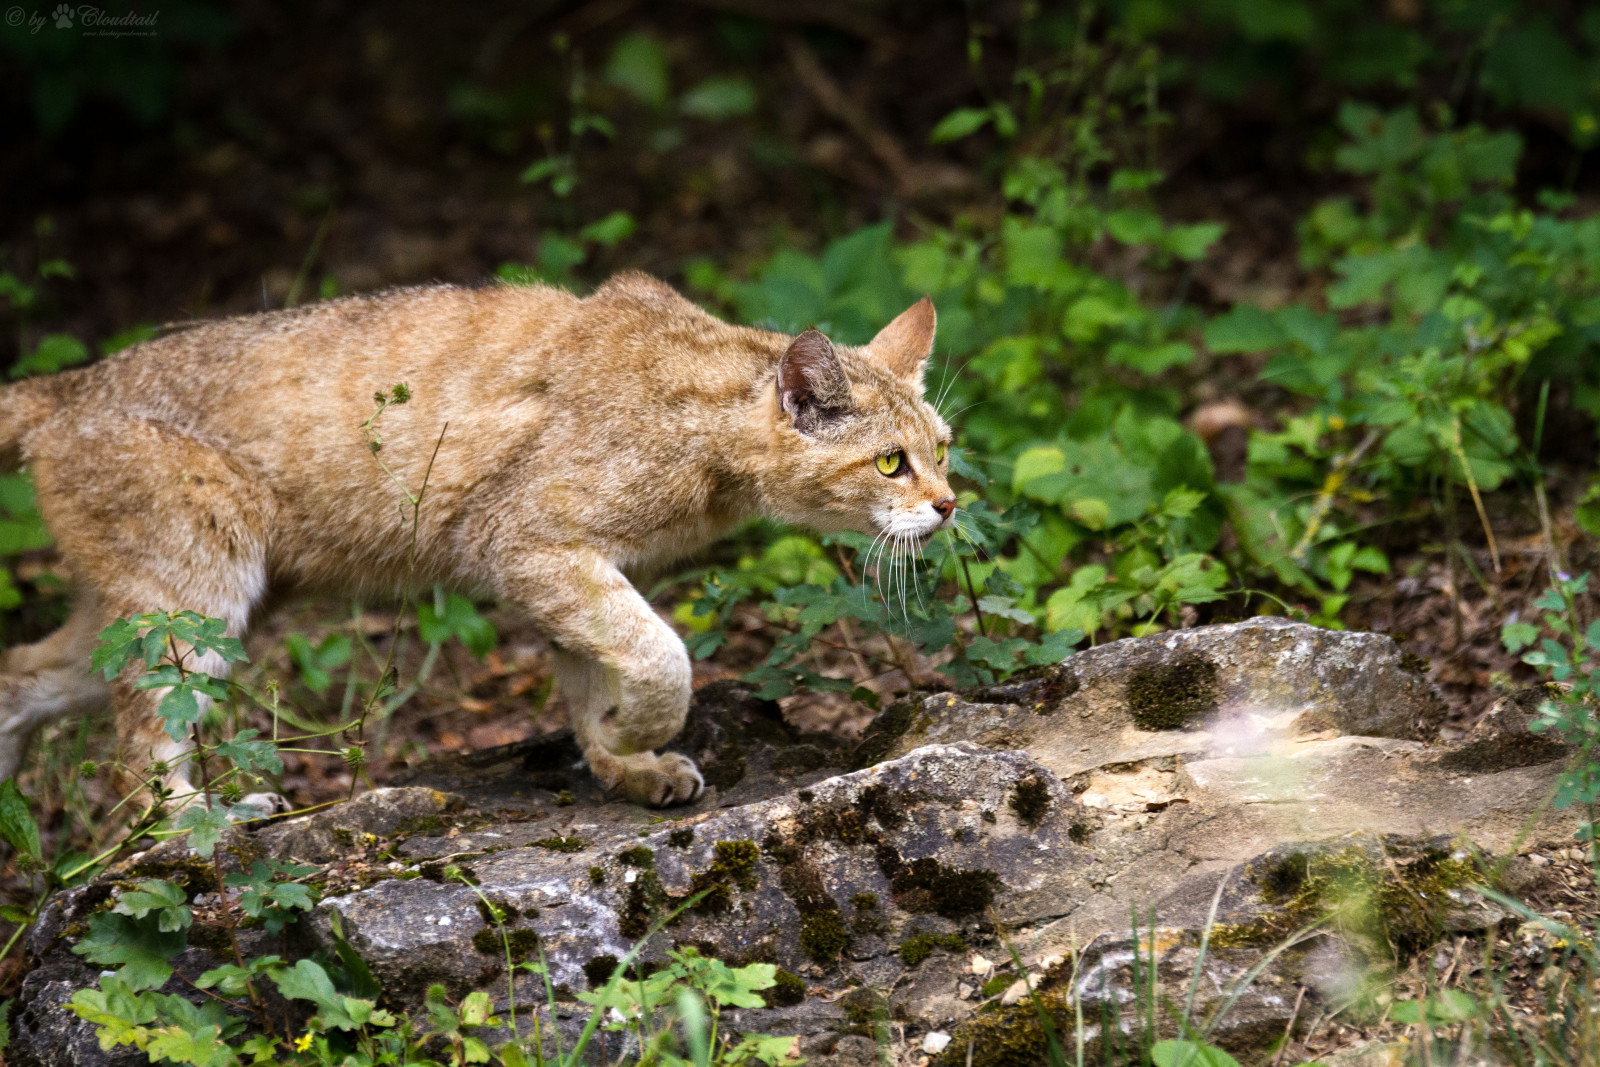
(945, 507)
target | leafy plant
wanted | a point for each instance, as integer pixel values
(1568, 653)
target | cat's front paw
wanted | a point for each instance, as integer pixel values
(259, 806)
(659, 781)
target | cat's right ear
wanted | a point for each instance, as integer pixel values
(812, 387)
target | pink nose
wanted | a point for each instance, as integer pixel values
(945, 507)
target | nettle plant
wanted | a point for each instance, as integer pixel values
(1448, 298)
(1568, 653)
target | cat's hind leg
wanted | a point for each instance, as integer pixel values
(48, 680)
(151, 519)
(622, 671)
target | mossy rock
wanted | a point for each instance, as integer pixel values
(1172, 696)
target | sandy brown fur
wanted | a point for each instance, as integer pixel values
(578, 441)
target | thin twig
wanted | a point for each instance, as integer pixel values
(1472, 487)
(1338, 471)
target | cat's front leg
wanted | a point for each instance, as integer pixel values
(622, 671)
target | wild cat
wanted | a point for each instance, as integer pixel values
(578, 441)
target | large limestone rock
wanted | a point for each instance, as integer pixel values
(1286, 764)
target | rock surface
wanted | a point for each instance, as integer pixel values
(1292, 766)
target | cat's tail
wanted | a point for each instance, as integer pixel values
(24, 405)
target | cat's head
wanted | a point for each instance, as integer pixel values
(858, 447)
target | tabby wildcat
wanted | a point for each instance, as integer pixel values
(582, 440)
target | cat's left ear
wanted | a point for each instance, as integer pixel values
(905, 344)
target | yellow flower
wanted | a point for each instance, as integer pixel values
(302, 1043)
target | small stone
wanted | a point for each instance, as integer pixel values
(1539, 860)
(981, 965)
(1014, 992)
(935, 1042)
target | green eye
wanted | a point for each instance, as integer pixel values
(891, 464)
(938, 452)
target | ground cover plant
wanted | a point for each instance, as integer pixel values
(1402, 435)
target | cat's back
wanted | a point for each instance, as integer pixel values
(335, 351)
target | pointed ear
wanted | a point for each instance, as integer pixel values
(904, 344)
(812, 387)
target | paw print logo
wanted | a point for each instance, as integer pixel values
(63, 17)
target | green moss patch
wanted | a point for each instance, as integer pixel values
(1170, 696)
(1009, 1037)
(561, 844)
(926, 886)
(919, 946)
(599, 970)
(893, 723)
(733, 866)
(640, 857)
(644, 900)
(1030, 800)
(521, 944)
(823, 933)
(681, 838)
(1400, 898)
(498, 913)
(789, 990)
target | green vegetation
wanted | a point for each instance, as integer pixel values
(1422, 390)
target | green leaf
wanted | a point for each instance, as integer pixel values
(362, 981)
(201, 1047)
(455, 616)
(206, 827)
(318, 662)
(1244, 329)
(638, 65)
(611, 230)
(17, 825)
(963, 122)
(251, 755)
(1053, 647)
(1134, 226)
(1189, 1054)
(719, 98)
(117, 644)
(1516, 636)
(165, 899)
(1192, 242)
(56, 351)
(138, 946)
